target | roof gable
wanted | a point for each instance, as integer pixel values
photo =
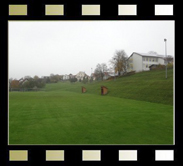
(148, 55)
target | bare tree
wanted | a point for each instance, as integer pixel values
(169, 59)
(153, 52)
(100, 70)
(119, 62)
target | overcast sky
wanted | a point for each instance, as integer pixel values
(64, 47)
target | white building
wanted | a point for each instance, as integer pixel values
(81, 75)
(141, 62)
(66, 77)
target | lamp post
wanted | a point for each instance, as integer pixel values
(165, 58)
(91, 75)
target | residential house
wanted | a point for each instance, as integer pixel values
(141, 62)
(71, 76)
(81, 75)
(66, 77)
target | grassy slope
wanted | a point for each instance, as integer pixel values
(63, 115)
(145, 86)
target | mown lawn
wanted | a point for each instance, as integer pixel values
(151, 86)
(65, 117)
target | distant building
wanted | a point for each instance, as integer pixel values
(106, 75)
(81, 75)
(71, 76)
(141, 62)
(66, 77)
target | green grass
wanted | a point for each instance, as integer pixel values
(63, 115)
(151, 86)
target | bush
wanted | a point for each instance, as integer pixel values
(130, 73)
(73, 80)
(170, 66)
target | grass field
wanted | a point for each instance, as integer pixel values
(137, 110)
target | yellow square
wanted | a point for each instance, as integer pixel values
(18, 155)
(57, 10)
(17, 10)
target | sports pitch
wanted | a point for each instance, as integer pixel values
(66, 116)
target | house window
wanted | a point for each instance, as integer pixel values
(143, 59)
(153, 59)
(146, 59)
(150, 59)
(146, 65)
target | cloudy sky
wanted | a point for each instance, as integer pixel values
(64, 47)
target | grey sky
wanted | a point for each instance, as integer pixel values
(64, 47)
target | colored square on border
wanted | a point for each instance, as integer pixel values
(91, 155)
(127, 155)
(163, 10)
(17, 10)
(90, 10)
(18, 155)
(56, 10)
(164, 155)
(54, 155)
(127, 9)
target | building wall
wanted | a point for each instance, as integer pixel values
(148, 61)
(137, 62)
(142, 63)
(80, 75)
(130, 64)
(161, 61)
(65, 77)
(151, 60)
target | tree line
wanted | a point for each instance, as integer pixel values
(26, 83)
(118, 62)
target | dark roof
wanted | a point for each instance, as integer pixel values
(146, 54)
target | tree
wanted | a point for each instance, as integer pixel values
(14, 83)
(169, 59)
(119, 62)
(28, 77)
(47, 79)
(153, 52)
(73, 80)
(36, 77)
(91, 79)
(84, 80)
(100, 70)
(54, 78)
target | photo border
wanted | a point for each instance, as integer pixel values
(73, 153)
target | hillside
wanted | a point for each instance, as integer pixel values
(148, 86)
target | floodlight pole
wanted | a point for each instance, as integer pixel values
(114, 71)
(165, 57)
(91, 75)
